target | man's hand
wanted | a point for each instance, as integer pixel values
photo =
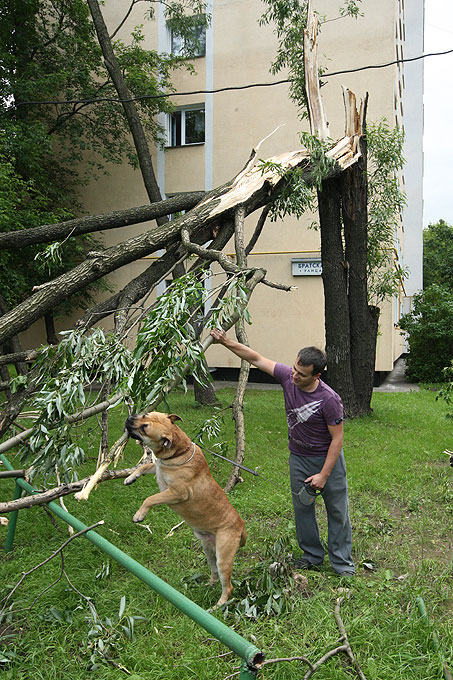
(219, 335)
(243, 351)
(317, 481)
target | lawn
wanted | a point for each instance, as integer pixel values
(401, 499)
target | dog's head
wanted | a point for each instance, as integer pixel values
(156, 430)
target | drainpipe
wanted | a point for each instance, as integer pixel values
(251, 656)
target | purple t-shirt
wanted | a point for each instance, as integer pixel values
(308, 414)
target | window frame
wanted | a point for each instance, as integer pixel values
(200, 35)
(172, 137)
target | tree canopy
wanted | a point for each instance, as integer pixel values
(438, 255)
(49, 52)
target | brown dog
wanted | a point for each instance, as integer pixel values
(186, 484)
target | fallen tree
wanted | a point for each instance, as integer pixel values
(253, 188)
(214, 219)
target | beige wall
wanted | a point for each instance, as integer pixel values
(282, 322)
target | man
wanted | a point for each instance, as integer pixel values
(314, 414)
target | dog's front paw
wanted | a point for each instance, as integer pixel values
(131, 479)
(138, 517)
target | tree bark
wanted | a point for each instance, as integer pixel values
(59, 491)
(335, 278)
(50, 329)
(241, 335)
(350, 325)
(14, 346)
(93, 223)
(204, 394)
(363, 318)
(130, 110)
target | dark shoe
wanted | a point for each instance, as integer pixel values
(304, 564)
(345, 574)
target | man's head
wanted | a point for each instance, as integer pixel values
(307, 368)
(312, 356)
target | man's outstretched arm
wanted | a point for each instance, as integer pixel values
(244, 352)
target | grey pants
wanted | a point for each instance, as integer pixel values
(335, 497)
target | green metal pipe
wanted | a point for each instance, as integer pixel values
(242, 647)
(12, 521)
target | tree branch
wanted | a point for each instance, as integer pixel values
(343, 633)
(41, 564)
(93, 223)
(238, 403)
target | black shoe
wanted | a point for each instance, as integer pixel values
(346, 575)
(304, 564)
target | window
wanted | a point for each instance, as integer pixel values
(193, 45)
(186, 126)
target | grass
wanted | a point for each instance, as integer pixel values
(402, 514)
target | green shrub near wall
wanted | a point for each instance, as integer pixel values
(429, 328)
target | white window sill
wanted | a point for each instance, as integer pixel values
(183, 146)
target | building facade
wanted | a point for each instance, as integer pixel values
(210, 136)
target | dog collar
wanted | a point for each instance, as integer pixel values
(178, 455)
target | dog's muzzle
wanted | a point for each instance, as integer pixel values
(129, 426)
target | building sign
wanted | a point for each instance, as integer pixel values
(306, 267)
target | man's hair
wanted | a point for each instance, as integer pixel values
(312, 356)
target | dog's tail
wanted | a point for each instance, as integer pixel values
(243, 537)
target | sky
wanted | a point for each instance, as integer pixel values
(438, 113)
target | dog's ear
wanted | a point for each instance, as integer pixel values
(173, 417)
(166, 443)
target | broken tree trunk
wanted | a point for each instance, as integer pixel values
(336, 307)
(253, 187)
(350, 324)
(363, 317)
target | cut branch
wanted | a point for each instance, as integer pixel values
(60, 491)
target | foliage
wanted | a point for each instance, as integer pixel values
(23, 206)
(167, 342)
(429, 327)
(446, 391)
(298, 193)
(63, 372)
(290, 19)
(266, 589)
(351, 8)
(48, 52)
(438, 255)
(385, 151)
(107, 638)
(386, 200)
(166, 349)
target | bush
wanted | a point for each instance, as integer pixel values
(430, 334)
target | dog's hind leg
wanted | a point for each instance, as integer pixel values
(227, 544)
(208, 542)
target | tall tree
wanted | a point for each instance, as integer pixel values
(49, 52)
(351, 323)
(438, 255)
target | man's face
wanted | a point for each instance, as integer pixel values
(303, 376)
